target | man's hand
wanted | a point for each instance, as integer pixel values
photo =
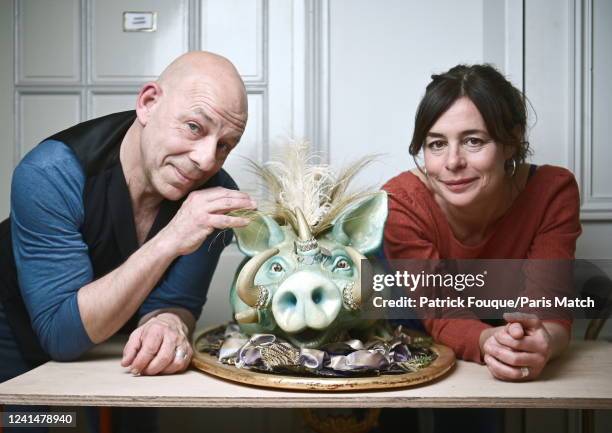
(520, 350)
(159, 346)
(201, 213)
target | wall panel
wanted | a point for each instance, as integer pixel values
(101, 103)
(236, 29)
(547, 83)
(134, 57)
(48, 41)
(590, 106)
(43, 114)
(602, 102)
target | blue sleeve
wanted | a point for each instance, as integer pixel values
(50, 253)
(186, 282)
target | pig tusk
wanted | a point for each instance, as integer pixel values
(247, 316)
(249, 294)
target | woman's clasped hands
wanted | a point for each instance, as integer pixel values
(519, 350)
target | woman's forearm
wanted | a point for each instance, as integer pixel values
(559, 338)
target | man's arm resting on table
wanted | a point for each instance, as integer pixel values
(124, 289)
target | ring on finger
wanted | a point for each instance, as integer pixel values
(180, 353)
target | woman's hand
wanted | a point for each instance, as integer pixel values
(519, 350)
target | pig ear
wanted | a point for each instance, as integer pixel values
(361, 225)
(262, 233)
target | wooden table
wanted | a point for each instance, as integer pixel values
(581, 379)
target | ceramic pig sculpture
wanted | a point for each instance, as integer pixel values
(302, 287)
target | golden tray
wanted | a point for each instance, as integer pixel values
(211, 365)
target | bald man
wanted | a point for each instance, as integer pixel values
(118, 222)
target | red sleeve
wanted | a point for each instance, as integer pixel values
(560, 227)
(556, 239)
(461, 335)
(409, 235)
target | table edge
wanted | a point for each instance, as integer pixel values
(315, 401)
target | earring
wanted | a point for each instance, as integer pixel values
(513, 162)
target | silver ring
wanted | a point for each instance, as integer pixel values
(180, 353)
(524, 371)
(305, 246)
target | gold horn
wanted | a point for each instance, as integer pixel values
(304, 233)
(245, 280)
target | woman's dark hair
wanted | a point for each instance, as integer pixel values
(501, 105)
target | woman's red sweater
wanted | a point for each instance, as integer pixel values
(542, 223)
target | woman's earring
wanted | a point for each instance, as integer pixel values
(513, 163)
(425, 172)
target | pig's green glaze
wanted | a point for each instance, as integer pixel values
(306, 304)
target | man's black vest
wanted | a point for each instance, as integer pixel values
(108, 228)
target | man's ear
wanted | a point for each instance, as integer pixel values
(147, 97)
(361, 225)
(261, 234)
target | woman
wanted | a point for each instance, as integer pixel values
(476, 198)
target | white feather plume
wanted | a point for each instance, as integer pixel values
(297, 178)
(305, 182)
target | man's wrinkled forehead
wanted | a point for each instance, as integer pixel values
(201, 91)
(234, 124)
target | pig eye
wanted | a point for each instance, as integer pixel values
(276, 267)
(342, 264)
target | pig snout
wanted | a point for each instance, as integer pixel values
(306, 300)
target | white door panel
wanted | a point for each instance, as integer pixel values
(42, 115)
(547, 81)
(103, 103)
(602, 102)
(286, 85)
(49, 43)
(125, 56)
(235, 28)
